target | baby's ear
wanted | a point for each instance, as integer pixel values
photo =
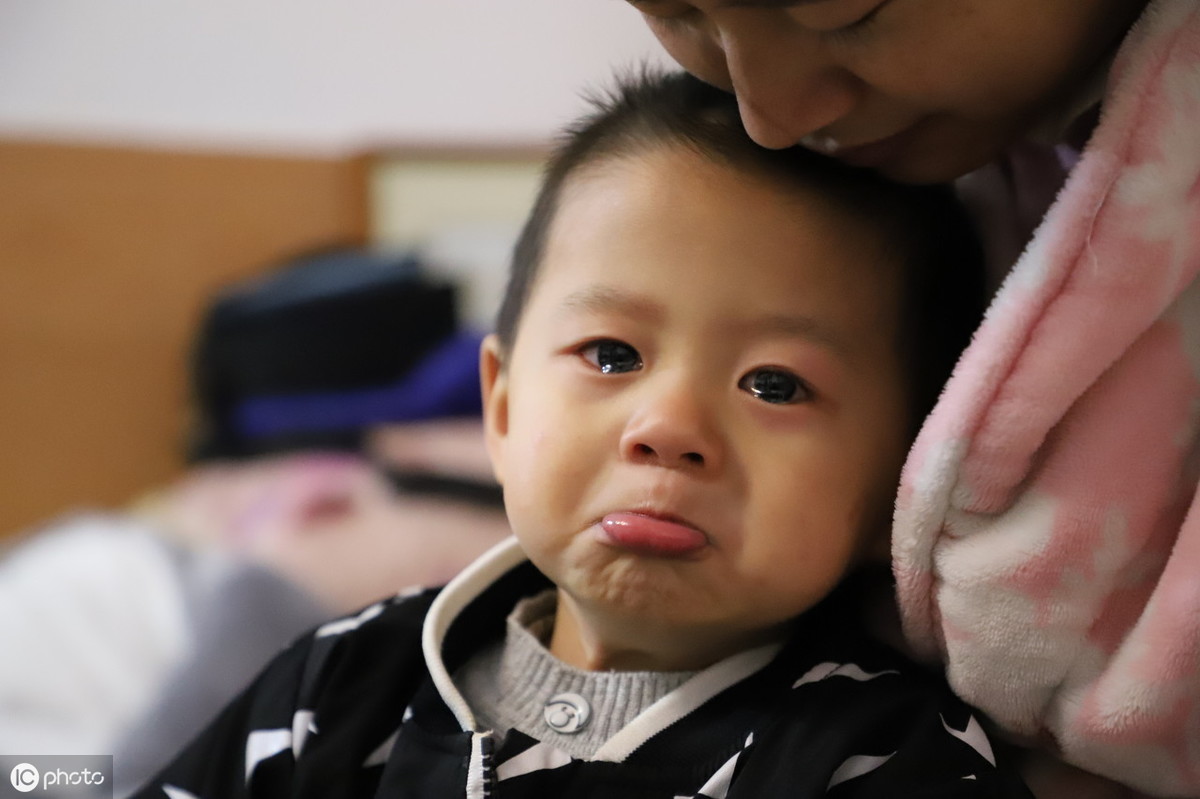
(493, 380)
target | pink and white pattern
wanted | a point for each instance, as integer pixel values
(1047, 539)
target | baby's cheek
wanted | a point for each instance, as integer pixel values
(538, 507)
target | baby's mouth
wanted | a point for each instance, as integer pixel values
(653, 534)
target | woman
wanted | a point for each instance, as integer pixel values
(1045, 544)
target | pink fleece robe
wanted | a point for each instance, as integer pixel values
(1047, 538)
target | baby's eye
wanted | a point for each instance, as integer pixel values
(611, 357)
(775, 386)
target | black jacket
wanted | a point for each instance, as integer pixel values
(360, 708)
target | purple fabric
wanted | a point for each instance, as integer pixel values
(444, 384)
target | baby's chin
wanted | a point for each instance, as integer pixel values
(620, 584)
(633, 630)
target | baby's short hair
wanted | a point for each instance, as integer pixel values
(925, 226)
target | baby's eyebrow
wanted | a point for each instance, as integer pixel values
(608, 299)
(600, 299)
(796, 326)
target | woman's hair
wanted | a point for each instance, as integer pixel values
(924, 226)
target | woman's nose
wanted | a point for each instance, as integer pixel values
(672, 428)
(786, 85)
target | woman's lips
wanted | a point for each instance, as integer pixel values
(869, 154)
(652, 535)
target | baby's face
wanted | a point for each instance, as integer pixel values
(923, 90)
(701, 421)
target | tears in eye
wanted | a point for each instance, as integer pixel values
(611, 356)
(776, 386)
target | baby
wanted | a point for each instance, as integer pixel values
(708, 368)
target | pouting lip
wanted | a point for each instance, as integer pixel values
(654, 534)
(658, 515)
(662, 516)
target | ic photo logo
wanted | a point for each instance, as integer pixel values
(57, 776)
(24, 777)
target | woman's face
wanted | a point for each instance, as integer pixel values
(921, 90)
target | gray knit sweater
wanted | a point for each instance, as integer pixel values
(510, 684)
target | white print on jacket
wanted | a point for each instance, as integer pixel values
(262, 744)
(718, 784)
(823, 671)
(858, 765)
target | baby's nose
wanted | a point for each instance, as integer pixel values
(672, 430)
(667, 455)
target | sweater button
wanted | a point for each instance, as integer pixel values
(567, 713)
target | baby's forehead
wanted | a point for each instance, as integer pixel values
(813, 245)
(854, 218)
(871, 203)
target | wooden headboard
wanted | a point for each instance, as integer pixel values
(110, 255)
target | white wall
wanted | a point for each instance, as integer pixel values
(306, 75)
